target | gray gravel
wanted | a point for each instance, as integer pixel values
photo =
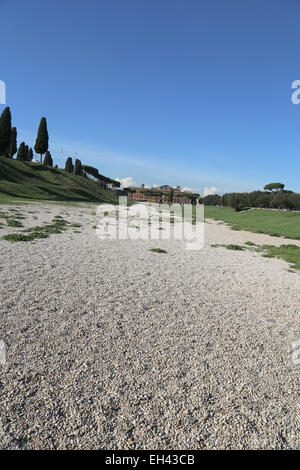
(112, 346)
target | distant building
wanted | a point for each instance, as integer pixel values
(162, 196)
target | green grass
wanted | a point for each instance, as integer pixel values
(14, 223)
(25, 181)
(232, 247)
(272, 222)
(20, 237)
(157, 250)
(289, 253)
(58, 225)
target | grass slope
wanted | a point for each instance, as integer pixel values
(25, 180)
(272, 222)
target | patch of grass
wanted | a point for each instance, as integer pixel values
(57, 226)
(289, 253)
(272, 222)
(157, 250)
(230, 247)
(14, 223)
(20, 237)
(75, 225)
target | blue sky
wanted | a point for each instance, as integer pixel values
(189, 92)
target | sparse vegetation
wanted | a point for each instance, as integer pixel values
(289, 253)
(14, 223)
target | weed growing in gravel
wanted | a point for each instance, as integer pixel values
(157, 250)
(20, 237)
(230, 247)
(58, 225)
(289, 253)
(14, 223)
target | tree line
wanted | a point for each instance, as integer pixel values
(274, 196)
(9, 148)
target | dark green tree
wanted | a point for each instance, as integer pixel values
(30, 155)
(5, 132)
(21, 155)
(48, 159)
(42, 140)
(26, 150)
(13, 142)
(274, 187)
(171, 195)
(69, 165)
(78, 167)
(90, 170)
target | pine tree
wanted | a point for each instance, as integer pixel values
(21, 152)
(13, 142)
(42, 140)
(30, 155)
(69, 165)
(48, 159)
(78, 167)
(5, 132)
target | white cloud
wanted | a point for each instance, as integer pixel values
(186, 190)
(208, 191)
(126, 182)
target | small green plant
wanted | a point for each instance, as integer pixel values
(20, 237)
(230, 247)
(14, 223)
(250, 243)
(157, 250)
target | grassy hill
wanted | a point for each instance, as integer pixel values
(25, 180)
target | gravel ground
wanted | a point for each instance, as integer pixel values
(111, 346)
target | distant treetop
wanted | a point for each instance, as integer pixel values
(274, 187)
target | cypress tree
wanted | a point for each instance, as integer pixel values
(5, 132)
(25, 156)
(78, 167)
(42, 140)
(30, 155)
(69, 165)
(13, 142)
(21, 152)
(48, 159)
